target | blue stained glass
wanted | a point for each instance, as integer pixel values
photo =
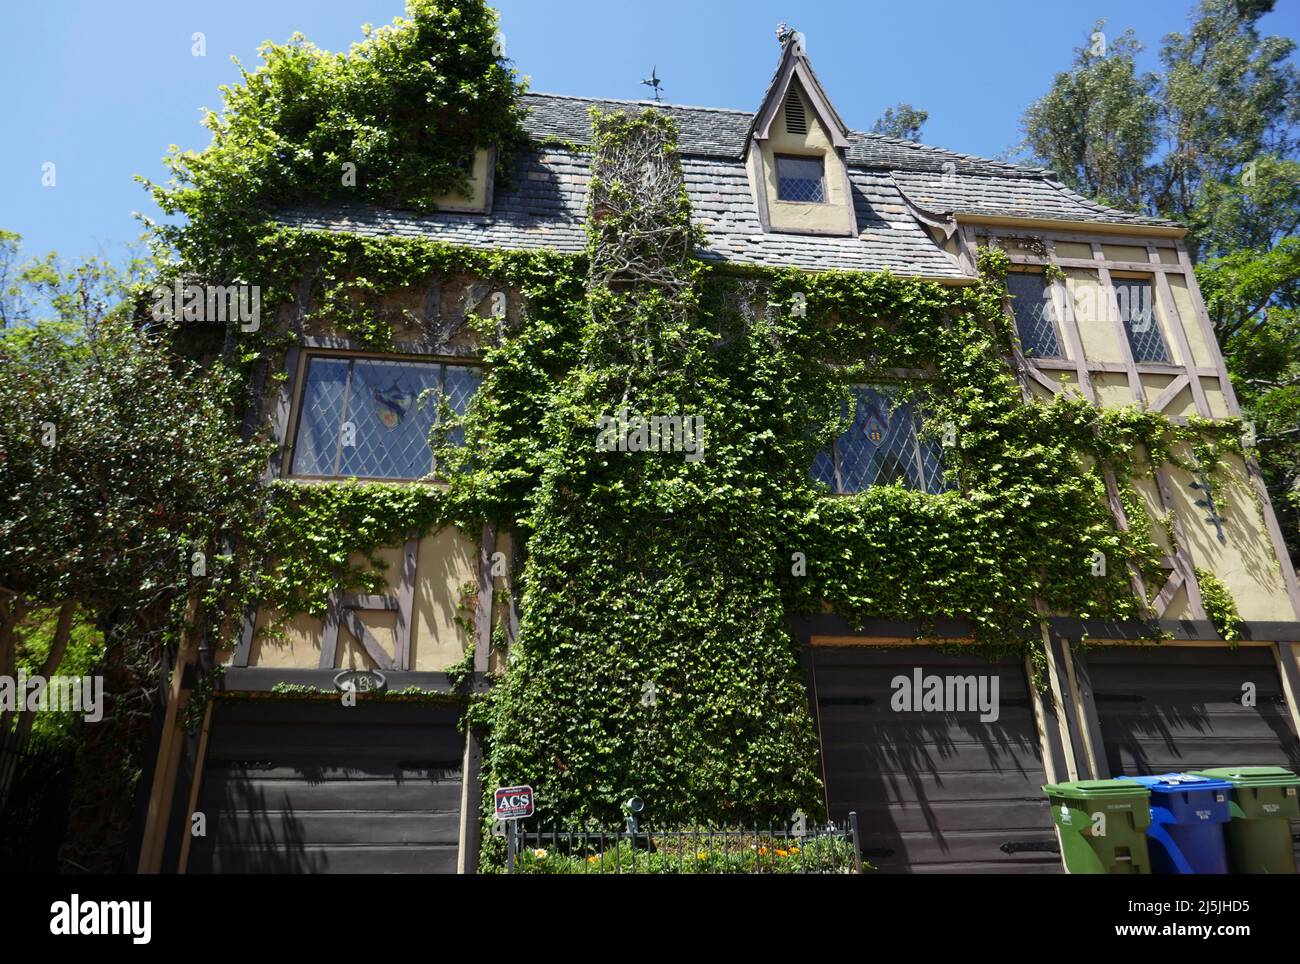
(881, 447)
(363, 417)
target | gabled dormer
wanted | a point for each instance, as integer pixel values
(796, 154)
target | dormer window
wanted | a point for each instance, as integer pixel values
(797, 158)
(801, 178)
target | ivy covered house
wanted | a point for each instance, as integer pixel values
(957, 420)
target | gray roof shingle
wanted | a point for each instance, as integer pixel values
(546, 206)
(1022, 197)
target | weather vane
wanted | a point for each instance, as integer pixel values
(653, 82)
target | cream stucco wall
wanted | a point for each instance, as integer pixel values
(446, 566)
(1244, 561)
(480, 178)
(1201, 351)
(1096, 328)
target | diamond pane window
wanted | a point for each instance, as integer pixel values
(362, 416)
(1137, 308)
(1031, 303)
(881, 447)
(800, 179)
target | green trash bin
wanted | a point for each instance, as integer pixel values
(1264, 801)
(1116, 844)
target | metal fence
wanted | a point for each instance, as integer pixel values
(830, 849)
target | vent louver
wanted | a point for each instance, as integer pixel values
(796, 121)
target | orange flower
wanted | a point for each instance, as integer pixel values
(782, 853)
(762, 851)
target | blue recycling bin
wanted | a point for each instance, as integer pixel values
(1188, 814)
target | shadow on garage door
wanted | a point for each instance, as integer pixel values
(317, 787)
(1164, 708)
(934, 791)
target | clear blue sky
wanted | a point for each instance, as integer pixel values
(102, 88)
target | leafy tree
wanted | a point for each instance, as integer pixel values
(1096, 126)
(117, 465)
(1253, 298)
(1229, 99)
(902, 121)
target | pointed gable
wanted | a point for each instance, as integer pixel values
(797, 152)
(795, 69)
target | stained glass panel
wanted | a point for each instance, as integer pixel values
(1031, 303)
(363, 417)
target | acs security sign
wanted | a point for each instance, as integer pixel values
(514, 803)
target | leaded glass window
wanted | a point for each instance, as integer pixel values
(1137, 309)
(1031, 303)
(363, 416)
(800, 179)
(883, 446)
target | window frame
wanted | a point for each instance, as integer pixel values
(837, 488)
(1118, 278)
(296, 409)
(820, 158)
(1054, 320)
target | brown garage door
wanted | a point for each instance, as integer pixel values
(295, 787)
(934, 791)
(1164, 708)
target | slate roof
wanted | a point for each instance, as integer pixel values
(546, 206)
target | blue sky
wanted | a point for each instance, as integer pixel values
(101, 89)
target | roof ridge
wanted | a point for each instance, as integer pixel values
(932, 152)
(650, 103)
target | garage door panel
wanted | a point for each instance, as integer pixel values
(881, 716)
(334, 795)
(891, 657)
(370, 742)
(915, 816)
(929, 758)
(934, 791)
(323, 788)
(907, 850)
(1050, 864)
(1168, 659)
(1179, 708)
(430, 859)
(394, 712)
(878, 681)
(984, 785)
(231, 770)
(1157, 719)
(284, 827)
(1142, 757)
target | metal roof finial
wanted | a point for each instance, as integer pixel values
(786, 34)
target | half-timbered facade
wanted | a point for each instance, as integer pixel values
(304, 787)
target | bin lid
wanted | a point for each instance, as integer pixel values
(1254, 776)
(1093, 789)
(1180, 782)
